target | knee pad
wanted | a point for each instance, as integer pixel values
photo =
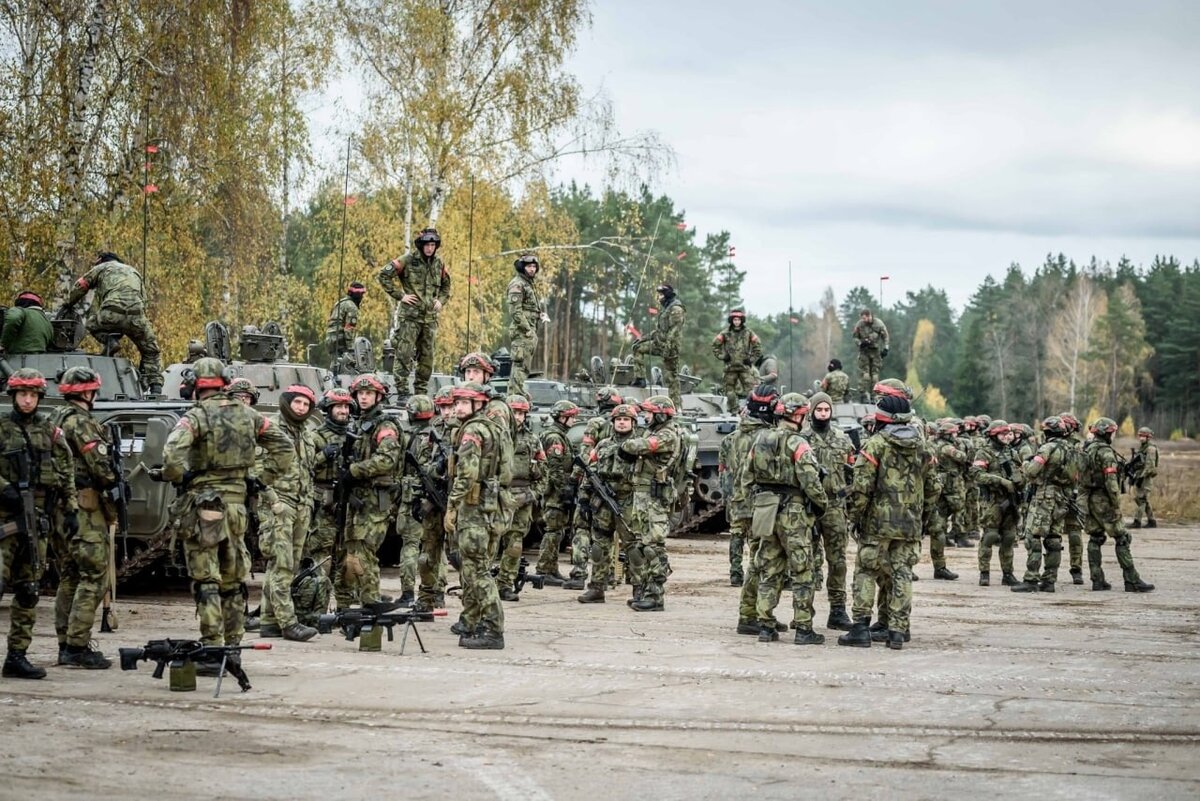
(1123, 540)
(1097, 539)
(25, 594)
(1053, 544)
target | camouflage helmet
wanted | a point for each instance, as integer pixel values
(78, 380)
(367, 381)
(983, 420)
(658, 405)
(518, 403)
(760, 403)
(893, 387)
(196, 349)
(419, 407)
(736, 313)
(607, 397)
(1054, 426)
(1103, 426)
(27, 378)
(789, 404)
(336, 397)
(524, 260)
(426, 236)
(996, 428)
(472, 391)
(1071, 421)
(563, 408)
(210, 373)
(1022, 429)
(478, 361)
(243, 386)
(623, 410)
(970, 422)
(1145, 431)
(947, 428)
(444, 397)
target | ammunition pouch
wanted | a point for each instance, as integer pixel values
(766, 510)
(490, 496)
(25, 594)
(89, 500)
(662, 491)
(210, 529)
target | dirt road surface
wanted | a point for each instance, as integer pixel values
(1073, 695)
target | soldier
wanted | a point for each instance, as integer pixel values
(835, 453)
(653, 456)
(952, 465)
(783, 477)
(999, 479)
(525, 313)
(285, 529)
(1103, 497)
(30, 442)
(1050, 472)
(520, 496)
(421, 285)
(768, 371)
(664, 341)
(735, 516)
(473, 502)
(892, 496)
(208, 456)
(83, 559)
(966, 522)
(27, 329)
(559, 497)
(413, 503)
(195, 350)
(243, 389)
(739, 348)
(342, 328)
(1074, 523)
(760, 415)
(119, 309)
(329, 441)
(836, 384)
(614, 472)
(871, 335)
(1143, 478)
(431, 564)
(374, 464)
(599, 427)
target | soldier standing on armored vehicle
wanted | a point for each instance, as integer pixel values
(520, 497)
(1103, 501)
(27, 329)
(37, 480)
(342, 328)
(285, 529)
(420, 283)
(1143, 478)
(119, 309)
(664, 341)
(871, 335)
(739, 349)
(559, 499)
(329, 441)
(835, 453)
(525, 313)
(83, 559)
(209, 456)
(836, 384)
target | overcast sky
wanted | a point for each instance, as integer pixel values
(933, 142)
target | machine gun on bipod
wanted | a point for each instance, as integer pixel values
(180, 654)
(371, 618)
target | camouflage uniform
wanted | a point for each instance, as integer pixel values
(83, 560)
(559, 497)
(893, 493)
(739, 349)
(664, 341)
(1102, 499)
(1050, 472)
(53, 478)
(599, 428)
(994, 467)
(872, 339)
(375, 461)
(835, 453)
(614, 472)
(416, 328)
(653, 455)
(525, 311)
(284, 532)
(1143, 480)
(740, 510)
(340, 332)
(323, 533)
(434, 451)
(836, 384)
(214, 444)
(519, 499)
(966, 522)
(783, 478)
(119, 308)
(768, 371)
(412, 504)
(27, 329)
(952, 466)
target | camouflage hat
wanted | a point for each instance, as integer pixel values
(563, 408)
(996, 428)
(243, 386)
(470, 390)
(478, 361)
(623, 410)
(983, 420)
(27, 378)
(947, 428)
(1103, 425)
(607, 397)
(210, 373)
(1071, 421)
(336, 397)
(518, 403)
(1145, 431)
(1054, 426)
(426, 236)
(443, 397)
(77, 380)
(1023, 429)
(524, 260)
(419, 407)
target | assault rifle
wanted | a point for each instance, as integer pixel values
(1011, 499)
(432, 488)
(1133, 469)
(600, 489)
(30, 525)
(353, 622)
(118, 495)
(342, 498)
(162, 652)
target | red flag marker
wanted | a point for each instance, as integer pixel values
(681, 225)
(682, 255)
(732, 251)
(652, 310)
(350, 200)
(151, 148)
(150, 189)
(795, 320)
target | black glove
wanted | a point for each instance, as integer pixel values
(747, 361)
(455, 559)
(864, 345)
(626, 456)
(255, 486)
(70, 524)
(331, 451)
(10, 498)
(188, 475)
(346, 478)
(883, 352)
(727, 358)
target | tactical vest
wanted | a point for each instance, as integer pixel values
(773, 458)
(42, 435)
(232, 430)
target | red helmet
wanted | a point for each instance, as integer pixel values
(471, 391)
(658, 404)
(77, 380)
(368, 381)
(518, 403)
(893, 387)
(479, 361)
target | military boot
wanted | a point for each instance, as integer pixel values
(1009, 580)
(985, 579)
(253, 623)
(767, 633)
(1099, 585)
(1026, 586)
(1136, 523)
(915, 577)
(85, 657)
(945, 574)
(736, 580)
(838, 619)
(459, 627)
(298, 632)
(155, 390)
(17, 666)
(62, 654)
(808, 637)
(859, 635)
(896, 640)
(574, 583)
(879, 631)
(637, 596)
(1151, 523)
(270, 630)
(407, 597)
(509, 594)
(484, 639)
(646, 604)
(1138, 586)
(1076, 575)
(593, 595)
(553, 578)
(1046, 586)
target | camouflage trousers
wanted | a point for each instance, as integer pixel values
(20, 579)
(520, 502)
(319, 543)
(581, 547)
(477, 540)
(284, 530)
(1045, 521)
(1141, 497)
(670, 368)
(888, 563)
(218, 572)
(1074, 533)
(365, 531)
(999, 529)
(1104, 521)
(521, 348)
(967, 520)
(555, 519)
(602, 531)
(115, 322)
(414, 338)
(738, 381)
(82, 565)
(785, 550)
(739, 529)
(870, 363)
(649, 520)
(832, 536)
(431, 563)
(410, 532)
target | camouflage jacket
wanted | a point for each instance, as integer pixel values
(836, 384)
(118, 287)
(413, 274)
(872, 335)
(26, 330)
(295, 486)
(476, 466)
(598, 428)
(51, 466)
(781, 460)
(524, 307)
(734, 449)
(343, 324)
(610, 468)
(1103, 467)
(1149, 466)
(952, 465)
(669, 329)
(557, 449)
(737, 347)
(658, 449)
(895, 485)
(377, 449)
(835, 453)
(529, 460)
(216, 440)
(993, 464)
(91, 450)
(325, 471)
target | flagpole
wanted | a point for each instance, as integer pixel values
(791, 329)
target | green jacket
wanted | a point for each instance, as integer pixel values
(895, 485)
(118, 288)
(737, 347)
(413, 274)
(836, 384)
(669, 329)
(217, 438)
(524, 307)
(53, 467)
(872, 335)
(26, 330)
(343, 325)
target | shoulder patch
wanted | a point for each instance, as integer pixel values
(471, 439)
(801, 449)
(871, 459)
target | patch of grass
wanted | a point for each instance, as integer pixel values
(1176, 494)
